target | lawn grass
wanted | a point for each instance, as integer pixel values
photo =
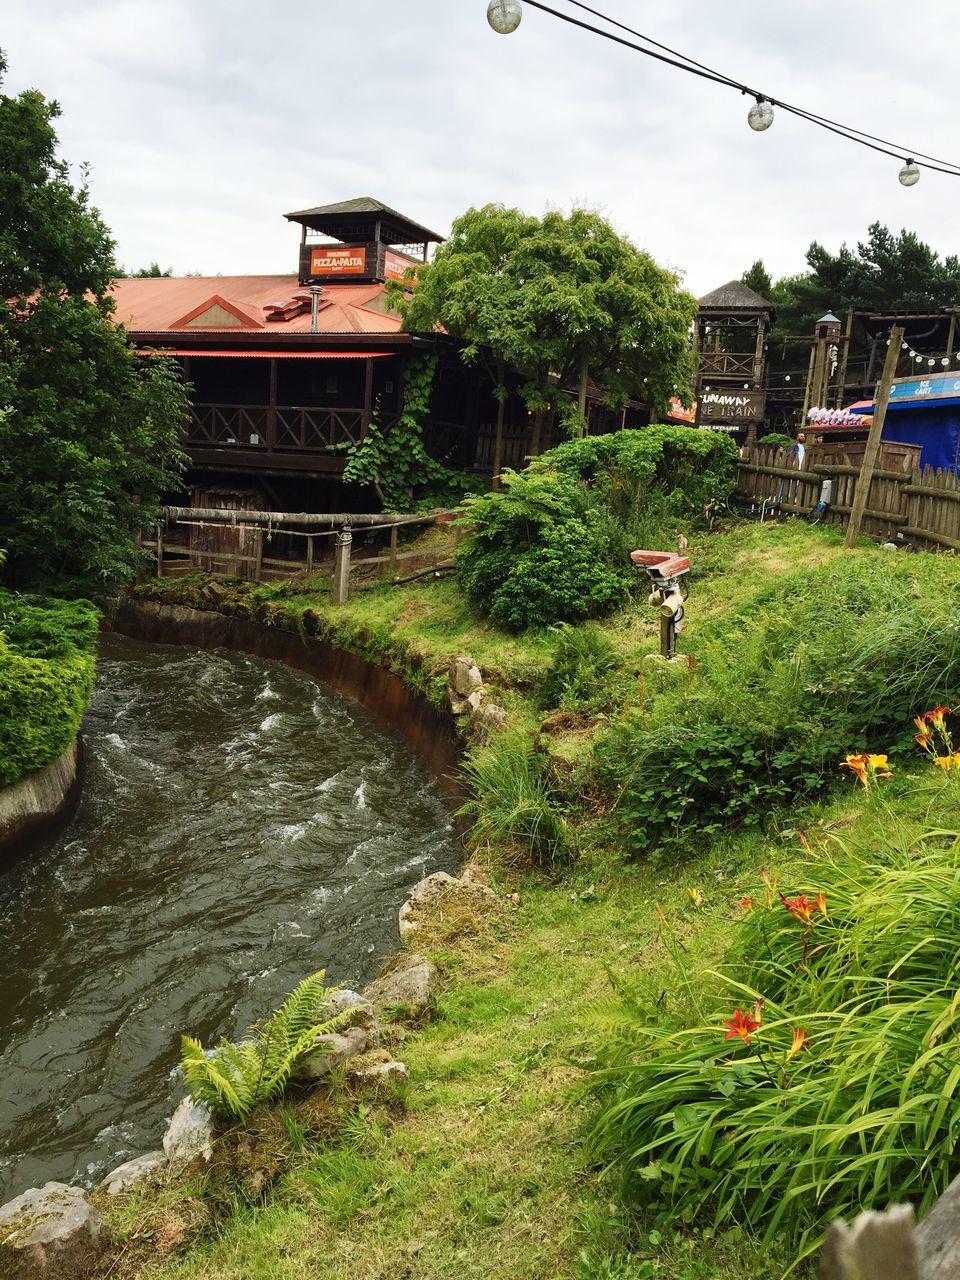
(481, 1168)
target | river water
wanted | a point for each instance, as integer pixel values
(240, 827)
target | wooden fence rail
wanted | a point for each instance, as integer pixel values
(234, 540)
(920, 505)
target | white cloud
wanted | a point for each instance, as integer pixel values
(206, 120)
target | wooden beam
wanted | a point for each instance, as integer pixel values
(862, 490)
(367, 398)
(341, 567)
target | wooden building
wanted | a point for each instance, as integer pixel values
(731, 345)
(287, 371)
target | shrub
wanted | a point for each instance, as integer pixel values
(799, 673)
(840, 1093)
(46, 675)
(515, 800)
(541, 552)
(235, 1078)
(578, 676)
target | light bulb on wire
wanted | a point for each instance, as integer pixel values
(505, 15)
(760, 116)
(909, 174)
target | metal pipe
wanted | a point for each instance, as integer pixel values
(315, 292)
(283, 519)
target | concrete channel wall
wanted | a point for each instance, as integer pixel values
(39, 803)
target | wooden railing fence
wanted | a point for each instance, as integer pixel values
(235, 541)
(918, 505)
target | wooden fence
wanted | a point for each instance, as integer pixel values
(921, 506)
(236, 541)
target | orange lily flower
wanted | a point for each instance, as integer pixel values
(858, 764)
(748, 903)
(820, 901)
(742, 1025)
(799, 1040)
(937, 717)
(801, 907)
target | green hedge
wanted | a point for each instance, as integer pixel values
(47, 652)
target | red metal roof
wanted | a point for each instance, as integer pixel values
(203, 353)
(157, 303)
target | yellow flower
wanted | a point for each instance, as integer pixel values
(799, 1040)
(696, 897)
(944, 762)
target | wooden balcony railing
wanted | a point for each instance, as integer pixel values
(286, 428)
(727, 364)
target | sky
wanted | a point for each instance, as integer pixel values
(204, 121)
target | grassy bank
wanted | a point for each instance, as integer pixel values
(47, 649)
(485, 1165)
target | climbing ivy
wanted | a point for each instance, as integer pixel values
(393, 459)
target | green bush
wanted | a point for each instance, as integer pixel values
(865, 1109)
(553, 544)
(801, 672)
(46, 675)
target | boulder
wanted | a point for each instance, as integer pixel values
(465, 676)
(409, 985)
(390, 1072)
(189, 1133)
(474, 701)
(134, 1171)
(489, 719)
(435, 893)
(938, 1237)
(334, 1051)
(50, 1231)
(356, 1010)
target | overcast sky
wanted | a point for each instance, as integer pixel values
(206, 120)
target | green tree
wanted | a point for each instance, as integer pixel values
(757, 278)
(565, 301)
(147, 273)
(88, 430)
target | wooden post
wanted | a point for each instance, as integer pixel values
(272, 410)
(844, 359)
(341, 566)
(367, 398)
(582, 396)
(393, 551)
(808, 388)
(310, 555)
(160, 549)
(258, 562)
(666, 637)
(862, 491)
(951, 334)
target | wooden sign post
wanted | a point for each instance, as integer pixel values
(873, 439)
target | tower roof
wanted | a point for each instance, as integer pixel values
(734, 296)
(344, 219)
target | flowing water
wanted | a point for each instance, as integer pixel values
(240, 827)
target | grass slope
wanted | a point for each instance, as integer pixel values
(481, 1168)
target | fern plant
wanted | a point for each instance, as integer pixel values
(233, 1078)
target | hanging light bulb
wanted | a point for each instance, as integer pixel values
(903, 346)
(504, 16)
(945, 361)
(909, 174)
(919, 359)
(760, 116)
(931, 363)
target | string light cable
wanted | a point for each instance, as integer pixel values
(505, 16)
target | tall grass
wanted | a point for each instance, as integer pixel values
(865, 1109)
(514, 801)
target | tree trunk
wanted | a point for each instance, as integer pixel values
(582, 398)
(498, 439)
(538, 417)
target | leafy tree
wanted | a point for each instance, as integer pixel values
(88, 430)
(147, 273)
(565, 301)
(757, 278)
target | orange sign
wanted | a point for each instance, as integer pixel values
(338, 260)
(395, 265)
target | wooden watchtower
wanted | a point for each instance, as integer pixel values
(361, 241)
(730, 341)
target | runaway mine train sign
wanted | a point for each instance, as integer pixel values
(332, 260)
(732, 406)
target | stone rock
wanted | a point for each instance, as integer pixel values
(474, 701)
(938, 1237)
(189, 1133)
(358, 1011)
(458, 706)
(50, 1231)
(334, 1051)
(380, 1073)
(489, 719)
(134, 1171)
(430, 895)
(465, 676)
(410, 984)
